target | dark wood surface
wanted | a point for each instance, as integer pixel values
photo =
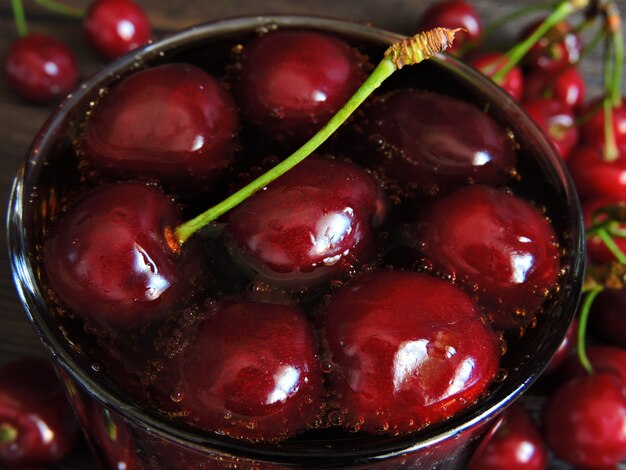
(20, 121)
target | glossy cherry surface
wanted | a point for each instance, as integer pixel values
(291, 82)
(40, 68)
(454, 14)
(592, 130)
(436, 143)
(115, 27)
(585, 420)
(595, 177)
(315, 221)
(173, 121)
(568, 86)
(602, 358)
(252, 371)
(37, 426)
(107, 258)
(408, 350)
(515, 445)
(558, 49)
(491, 62)
(597, 250)
(497, 245)
(557, 120)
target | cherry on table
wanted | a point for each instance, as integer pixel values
(597, 250)
(557, 120)
(397, 341)
(594, 176)
(592, 129)
(497, 245)
(560, 48)
(491, 62)
(40, 68)
(454, 14)
(115, 27)
(602, 357)
(567, 86)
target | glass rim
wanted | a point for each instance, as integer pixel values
(25, 279)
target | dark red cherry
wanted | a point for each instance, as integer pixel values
(408, 350)
(37, 426)
(597, 250)
(435, 143)
(173, 121)
(40, 68)
(557, 120)
(564, 351)
(491, 62)
(567, 86)
(608, 316)
(592, 129)
(602, 358)
(454, 14)
(252, 371)
(291, 82)
(585, 420)
(496, 244)
(595, 177)
(315, 221)
(115, 27)
(515, 445)
(108, 259)
(557, 50)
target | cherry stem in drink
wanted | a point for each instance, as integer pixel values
(582, 327)
(61, 8)
(409, 51)
(20, 18)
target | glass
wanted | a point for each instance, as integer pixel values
(121, 431)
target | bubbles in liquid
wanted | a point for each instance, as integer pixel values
(176, 396)
(501, 375)
(326, 366)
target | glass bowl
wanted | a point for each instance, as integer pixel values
(124, 433)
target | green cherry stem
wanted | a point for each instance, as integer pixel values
(582, 327)
(61, 8)
(611, 245)
(410, 51)
(20, 18)
(517, 53)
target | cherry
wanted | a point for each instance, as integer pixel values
(115, 27)
(491, 62)
(567, 87)
(554, 52)
(41, 69)
(515, 444)
(315, 221)
(608, 316)
(436, 143)
(409, 350)
(601, 357)
(112, 436)
(108, 258)
(595, 177)
(173, 121)
(291, 82)
(592, 130)
(455, 14)
(597, 251)
(37, 426)
(498, 245)
(251, 371)
(557, 120)
(585, 420)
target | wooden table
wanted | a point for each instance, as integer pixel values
(20, 121)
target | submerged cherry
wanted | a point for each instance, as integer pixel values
(251, 371)
(291, 82)
(409, 350)
(496, 244)
(109, 260)
(172, 121)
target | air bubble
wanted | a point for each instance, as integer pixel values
(326, 366)
(176, 396)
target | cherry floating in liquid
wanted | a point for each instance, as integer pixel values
(252, 372)
(436, 143)
(115, 27)
(568, 86)
(40, 68)
(490, 63)
(108, 259)
(516, 444)
(558, 49)
(172, 121)
(557, 120)
(315, 221)
(595, 177)
(408, 350)
(497, 245)
(454, 14)
(37, 426)
(290, 83)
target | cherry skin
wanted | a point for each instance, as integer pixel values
(597, 251)
(292, 82)
(592, 130)
(115, 27)
(108, 259)
(315, 221)
(252, 372)
(398, 340)
(602, 358)
(557, 120)
(436, 143)
(498, 245)
(37, 426)
(172, 121)
(490, 63)
(516, 444)
(41, 69)
(568, 86)
(608, 316)
(557, 50)
(454, 14)
(595, 177)
(585, 420)
(113, 437)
